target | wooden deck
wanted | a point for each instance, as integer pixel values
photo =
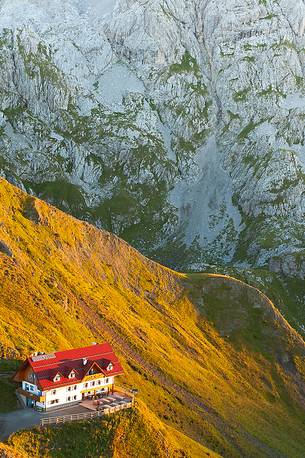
(85, 416)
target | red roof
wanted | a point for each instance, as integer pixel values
(45, 367)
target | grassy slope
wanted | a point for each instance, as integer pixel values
(215, 362)
(112, 436)
(7, 388)
(286, 292)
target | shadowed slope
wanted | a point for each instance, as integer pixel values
(215, 362)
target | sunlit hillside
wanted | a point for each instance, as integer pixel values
(217, 367)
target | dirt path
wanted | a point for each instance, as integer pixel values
(16, 420)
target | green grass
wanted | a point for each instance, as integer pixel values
(286, 293)
(123, 434)
(246, 130)
(8, 365)
(241, 96)
(268, 17)
(284, 43)
(61, 193)
(300, 82)
(270, 91)
(188, 64)
(250, 59)
(230, 308)
(8, 400)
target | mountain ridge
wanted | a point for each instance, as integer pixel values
(209, 354)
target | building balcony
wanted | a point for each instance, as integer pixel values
(30, 395)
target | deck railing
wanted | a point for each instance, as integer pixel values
(85, 415)
(126, 392)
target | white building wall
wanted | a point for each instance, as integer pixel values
(98, 384)
(69, 394)
(64, 395)
(73, 393)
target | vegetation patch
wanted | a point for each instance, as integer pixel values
(8, 400)
(40, 63)
(188, 64)
(271, 91)
(241, 96)
(119, 435)
(244, 133)
(5, 249)
(30, 211)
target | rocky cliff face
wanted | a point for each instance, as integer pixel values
(177, 125)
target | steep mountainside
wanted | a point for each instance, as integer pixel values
(177, 125)
(215, 363)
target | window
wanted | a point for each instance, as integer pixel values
(54, 401)
(72, 374)
(110, 366)
(75, 387)
(86, 385)
(69, 398)
(53, 391)
(107, 380)
(69, 388)
(75, 397)
(56, 378)
(98, 382)
(27, 387)
(94, 370)
(93, 383)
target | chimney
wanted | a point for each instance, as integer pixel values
(85, 361)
